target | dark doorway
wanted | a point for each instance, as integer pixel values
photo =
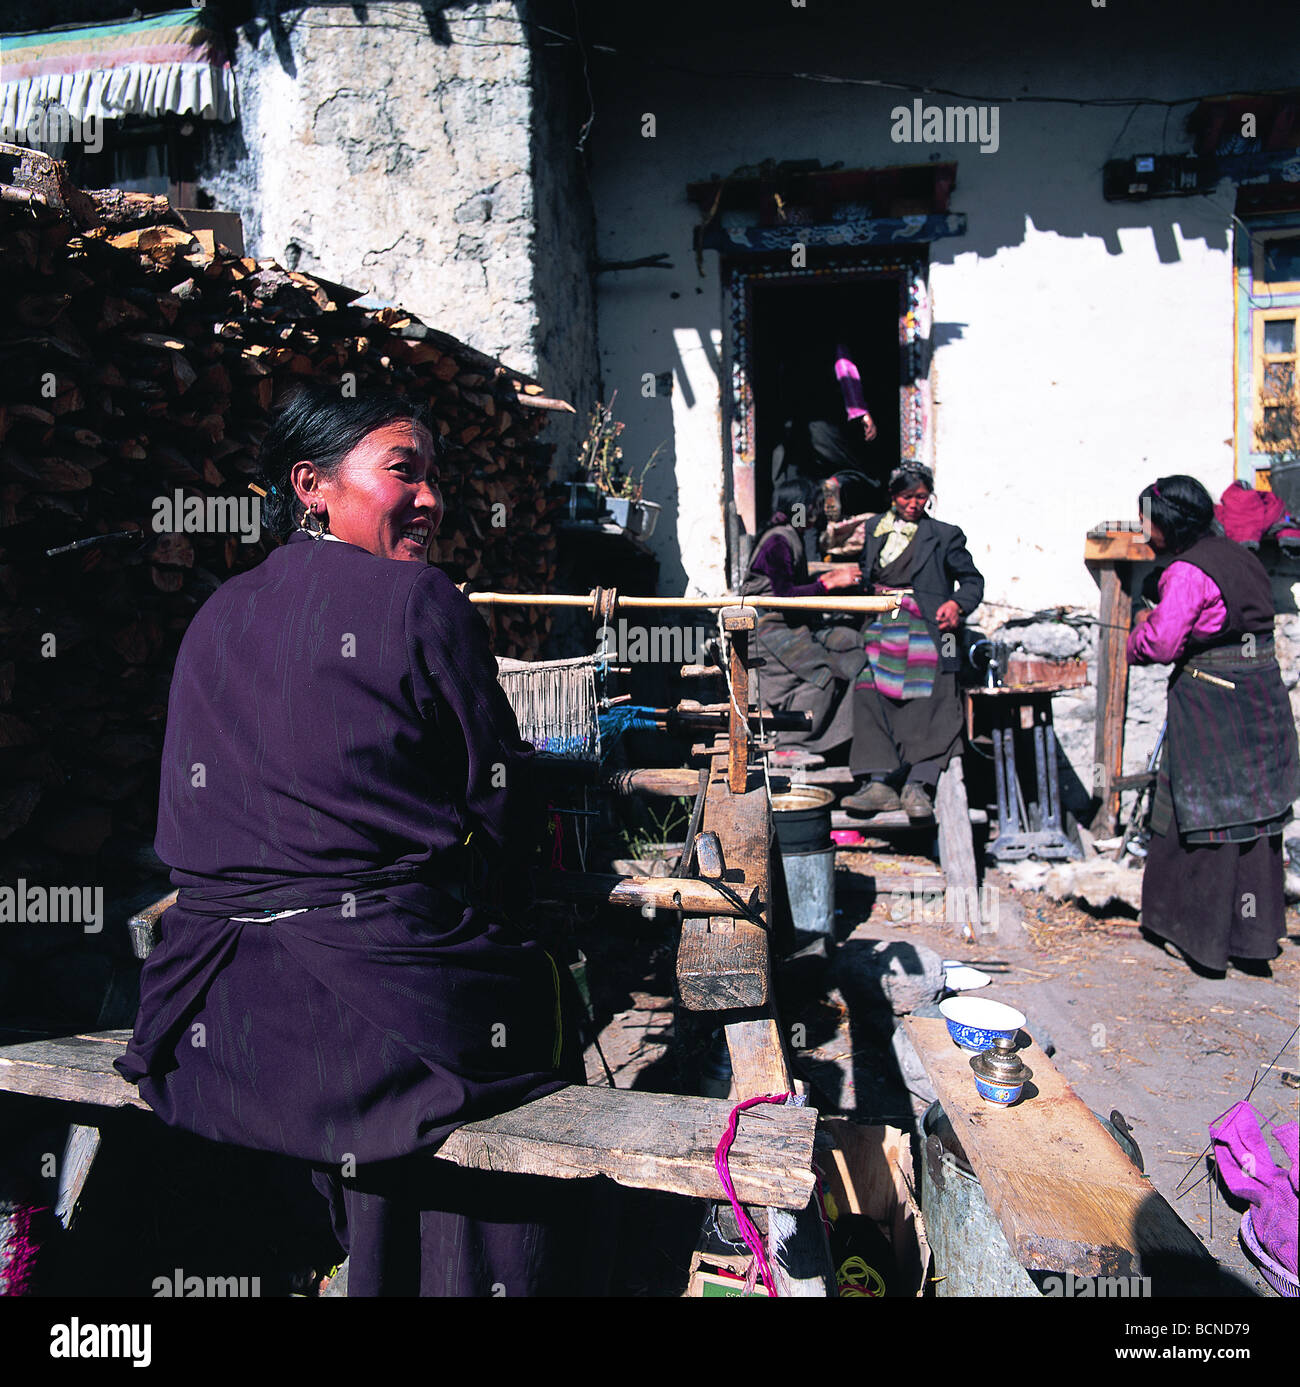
(797, 326)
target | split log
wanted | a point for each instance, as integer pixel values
(141, 356)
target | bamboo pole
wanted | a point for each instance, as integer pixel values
(807, 604)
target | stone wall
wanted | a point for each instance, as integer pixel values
(564, 245)
(391, 148)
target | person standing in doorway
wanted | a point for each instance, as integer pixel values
(828, 428)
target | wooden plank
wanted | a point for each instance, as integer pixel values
(758, 1063)
(1117, 546)
(738, 622)
(1112, 695)
(956, 846)
(79, 1154)
(824, 775)
(647, 1141)
(688, 894)
(893, 821)
(75, 1068)
(722, 964)
(1067, 1197)
(864, 1170)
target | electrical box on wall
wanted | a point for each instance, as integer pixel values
(1153, 175)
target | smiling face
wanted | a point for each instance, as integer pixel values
(910, 504)
(384, 496)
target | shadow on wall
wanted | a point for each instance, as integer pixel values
(734, 85)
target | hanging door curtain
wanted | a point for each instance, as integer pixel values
(168, 64)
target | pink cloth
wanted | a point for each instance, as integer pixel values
(1246, 1166)
(850, 384)
(1248, 515)
(1190, 605)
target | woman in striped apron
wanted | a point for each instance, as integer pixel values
(907, 717)
(1230, 769)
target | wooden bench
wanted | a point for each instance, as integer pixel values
(643, 1140)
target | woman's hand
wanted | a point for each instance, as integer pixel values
(1143, 616)
(948, 616)
(841, 576)
(868, 427)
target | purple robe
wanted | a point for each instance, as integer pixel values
(338, 745)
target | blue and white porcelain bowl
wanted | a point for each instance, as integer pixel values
(975, 1023)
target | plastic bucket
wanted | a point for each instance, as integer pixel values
(803, 833)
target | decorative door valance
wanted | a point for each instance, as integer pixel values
(770, 207)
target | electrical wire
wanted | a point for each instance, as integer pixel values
(586, 46)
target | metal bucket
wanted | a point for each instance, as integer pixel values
(971, 1255)
(803, 819)
(803, 832)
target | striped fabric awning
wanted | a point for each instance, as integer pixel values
(169, 63)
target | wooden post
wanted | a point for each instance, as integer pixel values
(1112, 554)
(738, 622)
(957, 848)
(1112, 692)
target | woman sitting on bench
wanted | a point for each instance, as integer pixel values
(343, 795)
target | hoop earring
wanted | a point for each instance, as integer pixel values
(310, 523)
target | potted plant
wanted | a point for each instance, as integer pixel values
(601, 463)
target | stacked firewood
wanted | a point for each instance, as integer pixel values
(140, 359)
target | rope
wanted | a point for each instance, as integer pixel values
(753, 1239)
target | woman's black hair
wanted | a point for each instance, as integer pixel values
(1181, 507)
(792, 492)
(320, 424)
(910, 474)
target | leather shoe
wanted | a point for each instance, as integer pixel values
(915, 802)
(875, 798)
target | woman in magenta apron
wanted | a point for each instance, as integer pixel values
(1230, 769)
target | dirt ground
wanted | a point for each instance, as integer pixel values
(1133, 1029)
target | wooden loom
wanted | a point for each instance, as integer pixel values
(642, 1140)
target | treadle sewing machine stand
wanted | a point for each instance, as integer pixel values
(1026, 828)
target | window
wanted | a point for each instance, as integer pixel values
(1268, 344)
(1277, 261)
(1274, 377)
